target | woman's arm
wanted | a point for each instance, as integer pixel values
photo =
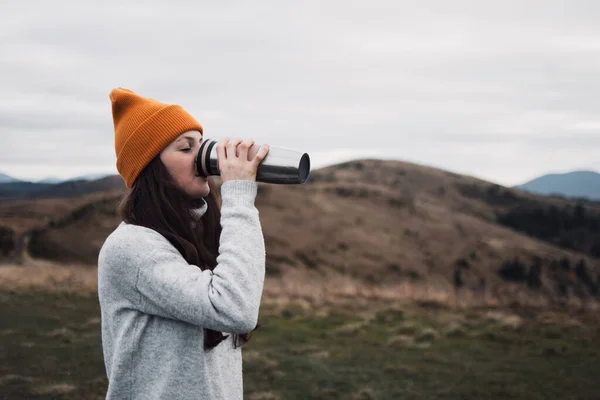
(226, 299)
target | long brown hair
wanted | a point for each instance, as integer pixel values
(156, 202)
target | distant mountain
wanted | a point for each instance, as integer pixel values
(79, 187)
(51, 180)
(4, 178)
(8, 179)
(19, 189)
(30, 190)
(577, 184)
(88, 177)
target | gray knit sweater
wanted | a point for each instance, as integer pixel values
(154, 306)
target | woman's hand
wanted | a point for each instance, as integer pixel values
(233, 160)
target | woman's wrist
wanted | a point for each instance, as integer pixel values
(239, 191)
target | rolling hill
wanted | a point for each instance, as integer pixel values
(376, 222)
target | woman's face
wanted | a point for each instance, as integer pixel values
(179, 157)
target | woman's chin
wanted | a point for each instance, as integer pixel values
(199, 189)
(198, 194)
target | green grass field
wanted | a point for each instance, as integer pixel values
(50, 348)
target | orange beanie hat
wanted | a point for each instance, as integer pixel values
(143, 128)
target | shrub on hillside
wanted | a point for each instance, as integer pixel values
(7, 241)
(571, 227)
(534, 279)
(513, 271)
(582, 273)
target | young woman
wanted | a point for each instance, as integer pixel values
(180, 279)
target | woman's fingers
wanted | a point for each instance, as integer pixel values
(231, 148)
(233, 159)
(244, 147)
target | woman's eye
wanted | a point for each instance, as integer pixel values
(186, 150)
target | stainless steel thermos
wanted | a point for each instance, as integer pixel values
(281, 165)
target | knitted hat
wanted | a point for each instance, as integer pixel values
(143, 128)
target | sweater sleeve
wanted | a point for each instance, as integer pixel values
(226, 299)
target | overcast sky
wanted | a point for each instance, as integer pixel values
(501, 90)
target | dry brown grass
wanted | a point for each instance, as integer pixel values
(47, 276)
(295, 287)
(308, 292)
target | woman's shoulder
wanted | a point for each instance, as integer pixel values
(130, 240)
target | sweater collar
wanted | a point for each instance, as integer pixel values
(197, 213)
